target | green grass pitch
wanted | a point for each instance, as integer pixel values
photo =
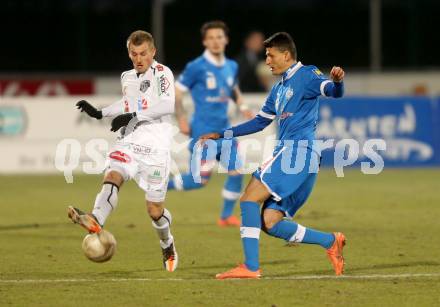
(391, 221)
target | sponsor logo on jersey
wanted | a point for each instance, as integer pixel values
(289, 93)
(285, 115)
(211, 83)
(144, 104)
(139, 149)
(120, 156)
(277, 101)
(159, 67)
(230, 81)
(318, 72)
(164, 84)
(144, 86)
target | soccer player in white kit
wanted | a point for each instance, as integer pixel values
(142, 152)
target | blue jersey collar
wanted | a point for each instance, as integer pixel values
(211, 59)
(291, 71)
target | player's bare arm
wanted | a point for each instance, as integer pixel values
(182, 121)
(242, 106)
(209, 136)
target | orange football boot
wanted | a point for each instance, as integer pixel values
(230, 221)
(240, 272)
(334, 253)
(86, 220)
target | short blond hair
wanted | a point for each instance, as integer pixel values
(139, 37)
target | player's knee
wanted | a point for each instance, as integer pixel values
(255, 192)
(270, 219)
(251, 196)
(155, 210)
(114, 177)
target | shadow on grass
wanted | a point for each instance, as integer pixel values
(33, 226)
(349, 270)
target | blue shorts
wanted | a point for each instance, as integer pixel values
(225, 151)
(289, 175)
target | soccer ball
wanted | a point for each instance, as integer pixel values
(99, 247)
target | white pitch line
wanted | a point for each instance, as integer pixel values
(299, 277)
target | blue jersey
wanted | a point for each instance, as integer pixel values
(294, 102)
(211, 86)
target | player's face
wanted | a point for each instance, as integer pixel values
(277, 60)
(141, 56)
(215, 41)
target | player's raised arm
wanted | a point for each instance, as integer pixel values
(180, 113)
(327, 87)
(183, 84)
(336, 88)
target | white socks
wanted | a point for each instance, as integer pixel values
(162, 226)
(106, 201)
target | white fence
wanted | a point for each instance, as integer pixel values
(32, 128)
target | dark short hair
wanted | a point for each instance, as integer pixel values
(215, 24)
(139, 37)
(283, 42)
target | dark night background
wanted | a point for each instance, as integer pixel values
(80, 36)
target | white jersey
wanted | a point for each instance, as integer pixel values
(151, 96)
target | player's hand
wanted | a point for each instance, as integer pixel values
(91, 111)
(183, 126)
(248, 114)
(209, 136)
(337, 74)
(121, 121)
(245, 111)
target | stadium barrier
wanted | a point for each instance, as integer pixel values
(410, 127)
(33, 129)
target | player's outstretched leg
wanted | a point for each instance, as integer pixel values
(86, 220)
(162, 225)
(296, 233)
(106, 201)
(230, 193)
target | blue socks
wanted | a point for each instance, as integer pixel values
(231, 192)
(324, 239)
(250, 233)
(293, 232)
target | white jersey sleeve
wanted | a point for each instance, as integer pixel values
(117, 107)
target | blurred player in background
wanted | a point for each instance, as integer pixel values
(212, 81)
(280, 185)
(142, 152)
(248, 60)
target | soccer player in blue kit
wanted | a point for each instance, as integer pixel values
(212, 81)
(284, 182)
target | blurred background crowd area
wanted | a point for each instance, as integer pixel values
(56, 47)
